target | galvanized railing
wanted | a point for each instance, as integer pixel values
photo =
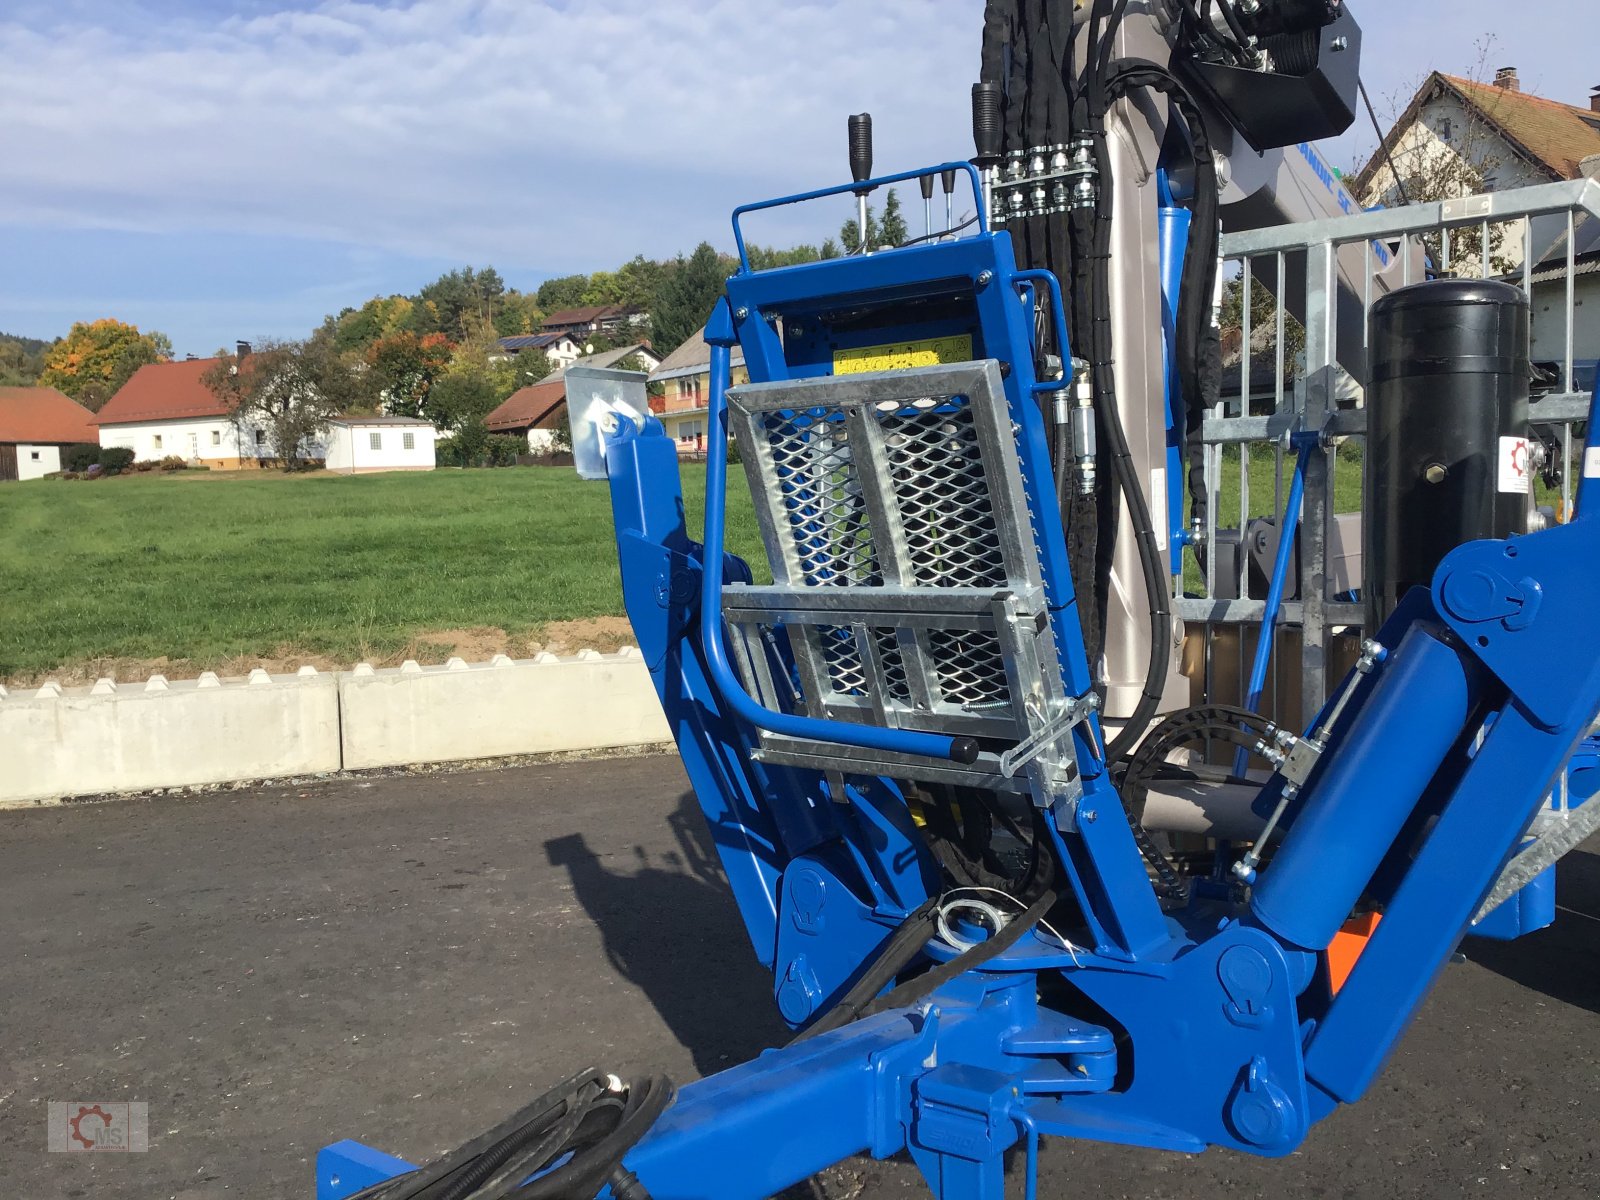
(1533, 230)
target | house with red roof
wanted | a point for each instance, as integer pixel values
(1463, 137)
(36, 425)
(594, 318)
(166, 410)
(1480, 137)
(535, 412)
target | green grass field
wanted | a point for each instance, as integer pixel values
(210, 568)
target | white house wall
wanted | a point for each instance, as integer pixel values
(1550, 320)
(35, 462)
(1503, 168)
(349, 448)
(211, 440)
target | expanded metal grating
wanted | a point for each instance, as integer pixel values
(906, 578)
(814, 465)
(940, 493)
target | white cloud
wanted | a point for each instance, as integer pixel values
(563, 135)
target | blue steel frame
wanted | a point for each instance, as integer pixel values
(1211, 1025)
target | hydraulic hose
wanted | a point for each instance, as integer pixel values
(566, 1145)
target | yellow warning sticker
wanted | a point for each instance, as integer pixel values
(903, 355)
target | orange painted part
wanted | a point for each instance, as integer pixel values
(1347, 946)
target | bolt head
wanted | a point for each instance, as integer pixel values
(985, 278)
(740, 313)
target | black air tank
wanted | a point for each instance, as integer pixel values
(1448, 452)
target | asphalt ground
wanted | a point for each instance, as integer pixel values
(405, 960)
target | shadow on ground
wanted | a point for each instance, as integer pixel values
(670, 925)
(1562, 962)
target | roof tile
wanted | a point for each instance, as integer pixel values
(164, 392)
(44, 416)
(1558, 135)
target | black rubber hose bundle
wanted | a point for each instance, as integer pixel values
(588, 1121)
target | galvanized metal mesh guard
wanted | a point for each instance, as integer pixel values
(907, 587)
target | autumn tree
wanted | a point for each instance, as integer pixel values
(356, 329)
(289, 391)
(98, 357)
(402, 368)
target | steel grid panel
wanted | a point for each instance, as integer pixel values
(904, 487)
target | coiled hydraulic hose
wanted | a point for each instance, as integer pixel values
(585, 1124)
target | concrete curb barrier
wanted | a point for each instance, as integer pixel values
(57, 742)
(60, 742)
(416, 714)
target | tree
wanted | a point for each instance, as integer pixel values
(566, 292)
(289, 391)
(459, 402)
(380, 317)
(98, 357)
(688, 294)
(402, 368)
(518, 313)
(460, 298)
(530, 366)
(21, 360)
(892, 228)
(1427, 166)
(765, 258)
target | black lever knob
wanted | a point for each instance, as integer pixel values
(861, 147)
(948, 178)
(926, 183)
(988, 134)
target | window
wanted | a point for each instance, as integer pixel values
(156, 441)
(261, 437)
(35, 456)
(1446, 129)
(408, 441)
(375, 440)
(216, 437)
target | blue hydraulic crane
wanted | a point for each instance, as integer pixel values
(925, 781)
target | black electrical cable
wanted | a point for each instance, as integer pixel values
(1218, 722)
(1383, 143)
(902, 949)
(942, 233)
(571, 1140)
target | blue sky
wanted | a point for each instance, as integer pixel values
(223, 170)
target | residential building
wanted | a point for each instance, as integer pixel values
(535, 412)
(167, 410)
(599, 318)
(682, 384)
(1549, 300)
(1486, 137)
(358, 445)
(561, 348)
(36, 424)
